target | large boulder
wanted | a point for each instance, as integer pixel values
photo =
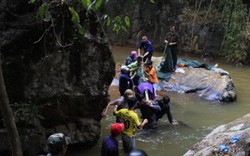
(215, 84)
(56, 79)
(230, 139)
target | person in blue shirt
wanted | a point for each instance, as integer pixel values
(147, 47)
(124, 80)
(110, 143)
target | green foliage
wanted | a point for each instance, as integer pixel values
(32, 1)
(89, 5)
(152, 1)
(98, 4)
(86, 4)
(120, 24)
(234, 46)
(44, 13)
(76, 20)
(127, 21)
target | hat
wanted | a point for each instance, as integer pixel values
(58, 138)
(133, 53)
(125, 68)
(129, 93)
(116, 128)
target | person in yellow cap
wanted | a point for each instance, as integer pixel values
(110, 143)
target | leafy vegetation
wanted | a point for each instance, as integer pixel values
(118, 23)
(229, 15)
(234, 43)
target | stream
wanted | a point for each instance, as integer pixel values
(198, 117)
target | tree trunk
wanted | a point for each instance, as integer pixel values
(9, 119)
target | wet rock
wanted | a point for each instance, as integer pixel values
(225, 136)
(215, 84)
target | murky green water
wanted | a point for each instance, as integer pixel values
(198, 115)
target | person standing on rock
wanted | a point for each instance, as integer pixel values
(152, 75)
(148, 48)
(130, 120)
(171, 50)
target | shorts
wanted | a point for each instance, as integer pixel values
(128, 143)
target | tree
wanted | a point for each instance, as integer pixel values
(9, 118)
(234, 46)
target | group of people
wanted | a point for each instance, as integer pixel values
(137, 87)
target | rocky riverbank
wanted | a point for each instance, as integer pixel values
(229, 139)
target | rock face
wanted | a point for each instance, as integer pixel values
(57, 81)
(213, 84)
(225, 135)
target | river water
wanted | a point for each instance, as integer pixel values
(198, 116)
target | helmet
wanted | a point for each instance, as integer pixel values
(137, 152)
(133, 53)
(56, 143)
(124, 68)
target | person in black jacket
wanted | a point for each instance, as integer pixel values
(165, 108)
(172, 41)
